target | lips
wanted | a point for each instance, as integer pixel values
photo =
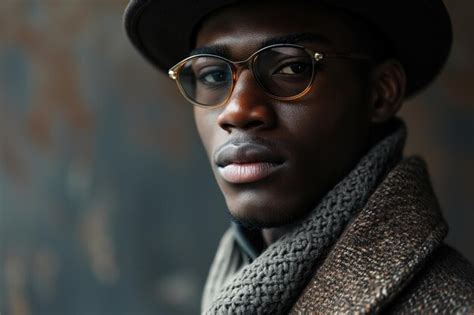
(245, 162)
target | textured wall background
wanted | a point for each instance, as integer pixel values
(107, 202)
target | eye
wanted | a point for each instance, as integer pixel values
(214, 77)
(293, 68)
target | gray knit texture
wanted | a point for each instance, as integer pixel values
(272, 283)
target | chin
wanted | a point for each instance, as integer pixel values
(254, 217)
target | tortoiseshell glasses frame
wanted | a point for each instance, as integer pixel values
(253, 63)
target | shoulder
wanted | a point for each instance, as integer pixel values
(445, 283)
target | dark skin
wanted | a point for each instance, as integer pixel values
(322, 135)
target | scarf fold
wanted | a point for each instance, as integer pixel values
(272, 282)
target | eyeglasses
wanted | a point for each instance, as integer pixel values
(285, 72)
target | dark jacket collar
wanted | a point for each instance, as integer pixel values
(381, 250)
(250, 241)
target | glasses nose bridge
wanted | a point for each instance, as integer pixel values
(238, 66)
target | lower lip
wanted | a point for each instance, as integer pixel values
(247, 172)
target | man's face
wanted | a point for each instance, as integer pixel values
(274, 160)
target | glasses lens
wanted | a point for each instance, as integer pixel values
(284, 71)
(206, 80)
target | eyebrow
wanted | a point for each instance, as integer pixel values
(296, 38)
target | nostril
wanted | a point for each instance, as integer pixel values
(243, 124)
(226, 126)
(253, 124)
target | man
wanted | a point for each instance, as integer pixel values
(296, 103)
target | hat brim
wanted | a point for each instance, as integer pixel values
(419, 30)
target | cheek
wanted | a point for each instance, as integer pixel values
(338, 103)
(331, 121)
(321, 121)
(208, 130)
(203, 127)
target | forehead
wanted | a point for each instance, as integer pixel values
(244, 27)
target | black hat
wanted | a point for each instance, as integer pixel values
(418, 30)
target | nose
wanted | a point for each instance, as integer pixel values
(248, 107)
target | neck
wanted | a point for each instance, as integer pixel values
(271, 235)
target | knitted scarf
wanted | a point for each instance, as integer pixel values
(272, 282)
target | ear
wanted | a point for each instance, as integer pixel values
(388, 90)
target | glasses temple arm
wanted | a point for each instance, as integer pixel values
(320, 56)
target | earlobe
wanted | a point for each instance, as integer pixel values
(388, 90)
